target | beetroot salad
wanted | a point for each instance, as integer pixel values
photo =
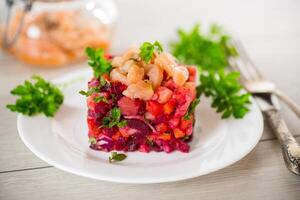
(140, 101)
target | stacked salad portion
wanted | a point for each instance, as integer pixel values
(140, 101)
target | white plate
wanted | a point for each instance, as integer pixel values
(62, 142)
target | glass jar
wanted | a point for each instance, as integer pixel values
(51, 33)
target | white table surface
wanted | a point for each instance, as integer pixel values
(270, 30)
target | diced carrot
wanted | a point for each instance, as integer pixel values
(106, 77)
(117, 135)
(162, 127)
(124, 132)
(169, 107)
(178, 133)
(165, 136)
(186, 123)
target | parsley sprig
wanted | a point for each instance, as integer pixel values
(147, 50)
(225, 93)
(211, 52)
(114, 119)
(116, 157)
(98, 61)
(36, 97)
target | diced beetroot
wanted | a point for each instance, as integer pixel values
(109, 131)
(144, 148)
(120, 144)
(102, 107)
(139, 126)
(183, 147)
(142, 107)
(117, 88)
(160, 119)
(104, 143)
(133, 143)
(158, 145)
(167, 148)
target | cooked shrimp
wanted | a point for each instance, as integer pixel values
(116, 75)
(124, 68)
(131, 53)
(117, 61)
(155, 75)
(135, 74)
(142, 90)
(180, 75)
(166, 61)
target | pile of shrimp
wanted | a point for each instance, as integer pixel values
(50, 39)
(143, 78)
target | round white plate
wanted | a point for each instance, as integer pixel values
(62, 142)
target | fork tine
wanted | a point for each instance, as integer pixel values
(248, 63)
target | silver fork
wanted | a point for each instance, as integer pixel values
(255, 83)
(265, 94)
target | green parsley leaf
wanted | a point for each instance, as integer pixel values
(224, 90)
(147, 50)
(211, 52)
(114, 119)
(208, 51)
(103, 82)
(100, 98)
(36, 97)
(98, 62)
(191, 109)
(90, 91)
(116, 157)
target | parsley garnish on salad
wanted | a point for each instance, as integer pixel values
(90, 91)
(114, 119)
(211, 52)
(147, 50)
(36, 97)
(98, 61)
